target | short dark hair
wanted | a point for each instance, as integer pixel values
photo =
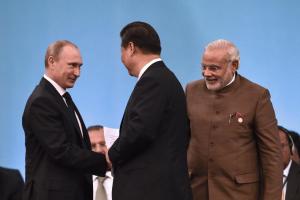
(143, 35)
(55, 49)
(94, 128)
(296, 139)
(288, 137)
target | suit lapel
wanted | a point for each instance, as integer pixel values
(85, 136)
(59, 99)
(73, 120)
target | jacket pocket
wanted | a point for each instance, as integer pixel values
(247, 178)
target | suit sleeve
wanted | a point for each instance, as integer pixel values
(189, 133)
(18, 185)
(49, 127)
(269, 148)
(141, 120)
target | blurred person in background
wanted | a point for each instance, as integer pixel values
(291, 172)
(102, 186)
(11, 184)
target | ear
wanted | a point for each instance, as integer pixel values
(293, 149)
(132, 48)
(235, 65)
(50, 61)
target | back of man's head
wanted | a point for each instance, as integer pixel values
(287, 145)
(296, 142)
(143, 36)
(288, 137)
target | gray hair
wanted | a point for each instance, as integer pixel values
(233, 52)
(55, 49)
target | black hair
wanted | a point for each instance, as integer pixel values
(288, 136)
(142, 35)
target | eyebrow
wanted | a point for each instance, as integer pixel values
(72, 63)
(209, 65)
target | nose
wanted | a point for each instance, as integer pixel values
(77, 71)
(98, 148)
(206, 72)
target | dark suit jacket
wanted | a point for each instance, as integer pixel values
(293, 184)
(59, 162)
(234, 137)
(149, 157)
(11, 184)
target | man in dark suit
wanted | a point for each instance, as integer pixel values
(11, 184)
(234, 151)
(59, 160)
(296, 148)
(149, 157)
(291, 172)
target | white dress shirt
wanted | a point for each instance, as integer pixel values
(108, 182)
(59, 89)
(62, 91)
(233, 78)
(147, 66)
(284, 180)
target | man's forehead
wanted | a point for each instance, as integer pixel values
(96, 133)
(71, 55)
(216, 52)
(215, 55)
(69, 50)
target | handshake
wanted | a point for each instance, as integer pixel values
(109, 164)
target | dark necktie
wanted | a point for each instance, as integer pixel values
(72, 109)
(74, 112)
(69, 101)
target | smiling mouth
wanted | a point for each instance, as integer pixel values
(72, 79)
(211, 80)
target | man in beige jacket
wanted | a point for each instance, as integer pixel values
(234, 151)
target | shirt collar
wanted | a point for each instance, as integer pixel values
(95, 178)
(107, 175)
(233, 78)
(147, 66)
(287, 169)
(59, 89)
